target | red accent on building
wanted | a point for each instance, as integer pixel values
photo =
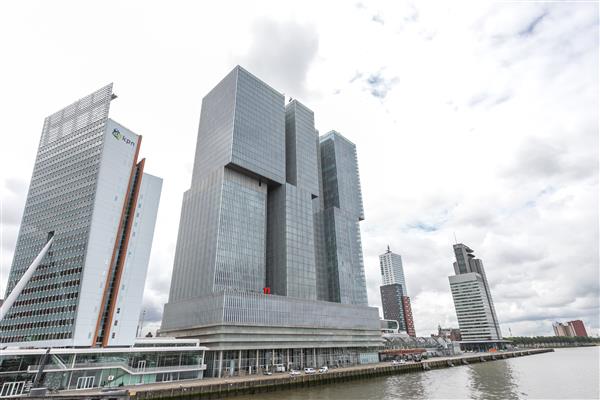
(266, 290)
(578, 328)
(109, 297)
(408, 317)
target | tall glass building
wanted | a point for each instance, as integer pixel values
(90, 194)
(268, 265)
(394, 294)
(75, 287)
(342, 210)
(472, 298)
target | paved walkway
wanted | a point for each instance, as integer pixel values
(275, 375)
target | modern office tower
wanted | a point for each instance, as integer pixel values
(472, 298)
(391, 301)
(578, 328)
(571, 328)
(90, 198)
(391, 267)
(563, 329)
(259, 248)
(340, 214)
(394, 296)
(291, 259)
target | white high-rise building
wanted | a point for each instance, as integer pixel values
(90, 199)
(392, 270)
(76, 284)
(472, 298)
(394, 297)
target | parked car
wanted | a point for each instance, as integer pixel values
(267, 373)
(293, 372)
(398, 362)
(323, 369)
(309, 370)
(279, 368)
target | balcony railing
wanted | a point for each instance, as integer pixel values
(124, 366)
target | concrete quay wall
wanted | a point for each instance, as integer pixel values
(216, 389)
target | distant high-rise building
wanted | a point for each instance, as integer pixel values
(578, 327)
(391, 302)
(562, 329)
(391, 267)
(268, 265)
(472, 298)
(408, 316)
(91, 201)
(394, 296)
(449, 333)
(571, 328)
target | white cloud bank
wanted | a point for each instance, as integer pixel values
(469, 118)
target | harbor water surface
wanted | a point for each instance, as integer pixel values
(570, 373)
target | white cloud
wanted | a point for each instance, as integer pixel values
(469, 117)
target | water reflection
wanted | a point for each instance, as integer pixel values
(406, 386)
(567, 373)
(493, 380)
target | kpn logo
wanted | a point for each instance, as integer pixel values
(119, 136)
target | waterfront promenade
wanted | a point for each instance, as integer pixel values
(214, 388)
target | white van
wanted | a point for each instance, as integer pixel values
(278, 368)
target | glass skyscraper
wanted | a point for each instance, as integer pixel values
(89, 192)
(341, 210)
(475, 310)
(269, 245)
(394, 295)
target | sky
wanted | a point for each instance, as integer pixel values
(473, 121)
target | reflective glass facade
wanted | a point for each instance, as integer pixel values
(241, 126)
(290, 247)
(240, 259)
(89, 191)
(301, 148)
(79, 369)
(256, 231)
(60, 200)
(391, 300)
(341, 213)
(246, 308)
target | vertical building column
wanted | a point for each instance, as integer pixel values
(220, 363)
(257, 362)
(288, 359)
(315, 357)
(240, 363)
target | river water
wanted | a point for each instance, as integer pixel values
(572, 373)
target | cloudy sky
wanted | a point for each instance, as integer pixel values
(475, 119)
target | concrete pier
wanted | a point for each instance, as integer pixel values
(216, 388)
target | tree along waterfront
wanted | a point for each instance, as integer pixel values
(553, 341)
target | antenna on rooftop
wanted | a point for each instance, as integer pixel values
(455, 240)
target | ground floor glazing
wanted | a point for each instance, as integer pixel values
(77, 369)
(258, 361)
